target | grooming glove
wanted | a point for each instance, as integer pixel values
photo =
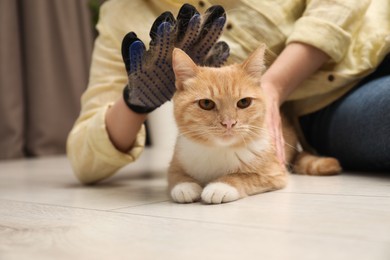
(151, 78)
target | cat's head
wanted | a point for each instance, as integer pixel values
(219, 106)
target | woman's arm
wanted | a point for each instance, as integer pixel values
(123, 125)
(323, 32)
(91, 150)
(295, 64)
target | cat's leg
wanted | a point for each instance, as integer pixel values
(182, 187)
(308, 164)
(238, 185)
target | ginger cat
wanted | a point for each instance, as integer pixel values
(223, 152)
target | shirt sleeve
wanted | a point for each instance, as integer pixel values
(92, 155)
(329, 25)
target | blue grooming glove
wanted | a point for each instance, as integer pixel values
(151, 77)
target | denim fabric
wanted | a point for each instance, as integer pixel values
(356, 128)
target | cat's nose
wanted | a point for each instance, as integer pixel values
(228, 124)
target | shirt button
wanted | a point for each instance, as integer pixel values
(331, 78)
(201, 3)
(229, 26)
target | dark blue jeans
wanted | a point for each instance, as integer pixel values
(356, 128)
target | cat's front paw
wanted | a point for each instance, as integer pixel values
(186, 192)
(219, 192)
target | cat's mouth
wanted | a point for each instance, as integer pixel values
(228, 135)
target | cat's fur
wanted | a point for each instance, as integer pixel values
(226, 153)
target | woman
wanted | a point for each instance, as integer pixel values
(327, 52)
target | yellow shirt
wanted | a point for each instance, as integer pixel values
(355, 34)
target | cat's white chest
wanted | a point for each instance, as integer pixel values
(206, 163)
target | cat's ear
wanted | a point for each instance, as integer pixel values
(254, 64)
(183, 66)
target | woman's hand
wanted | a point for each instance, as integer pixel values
(295, 64)
(273, 120)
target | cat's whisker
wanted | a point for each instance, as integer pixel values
(266, 131)
(291, 146)
(258, 128)
(191, 133)
(254, 132)
(243, 139)
(205, 133)
(194, 134)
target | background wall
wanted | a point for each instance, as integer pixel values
(45, 51)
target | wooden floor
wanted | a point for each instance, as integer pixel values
(46, 214)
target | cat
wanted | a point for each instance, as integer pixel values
(223, 152)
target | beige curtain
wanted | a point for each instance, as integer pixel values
(45, 50)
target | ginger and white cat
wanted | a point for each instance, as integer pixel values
(223, 151)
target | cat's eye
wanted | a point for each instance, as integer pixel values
(244, 103)
(206, 104)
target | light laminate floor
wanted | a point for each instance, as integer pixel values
(46, 214)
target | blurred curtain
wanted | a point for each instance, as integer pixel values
(45, 51)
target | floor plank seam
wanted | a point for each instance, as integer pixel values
(70, 207)
(335, 194)
(140, 205)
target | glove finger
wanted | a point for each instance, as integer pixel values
(191, 34)
(217, 55)
(164, 43)
(212, 15)
(186, 13)
(126, 42)
(136, 52)
(164, 17)
(208, 39)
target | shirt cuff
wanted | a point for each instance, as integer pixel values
(100, 142)
(328, 37)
